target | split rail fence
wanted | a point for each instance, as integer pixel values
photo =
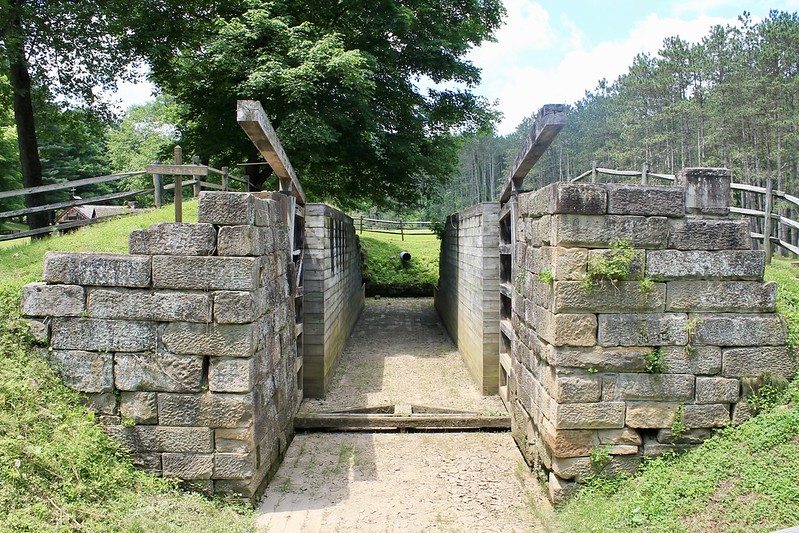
(753, 201)
(395, 227)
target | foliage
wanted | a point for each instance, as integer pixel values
(678, 427)
(59, 471)
(655, 363)
(764, 392)
(646, 285)
(386, 275)
(613, 266)
(341, 87)
(785, 274)
(600, 457)
(546, 277)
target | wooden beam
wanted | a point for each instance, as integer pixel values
(549, 121)
(68, 184)
(178, 170)
(343, 421)
(253, 120)
(73, 203)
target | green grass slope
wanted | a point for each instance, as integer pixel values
(58, 470)
(386, 275)
(745, 478)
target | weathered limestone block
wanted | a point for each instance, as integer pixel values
(187, 465)
(603, 415)
(651, 415)
(110, 270)
(707, 190)
(162, 306)
(702, 360)
(206, 273)
(581, 469)
(741, 362)
(653, 448)
(596, 231)
(650, 200)
(231, 375)
(245, 241)
(741, 412)
(234, 440)
(173, 238)
(560, 490)
(710, 234)
(579, 198)
(234, 466)
(692, 436)
(563, 329)
(151, 462)
(157, 372)
(569, 442)
(578, 389)
(717, 390)
(207, 409)
(40, 330)
(85, 371)
(568, 263)
(706, 416)
(598, 358)
(238, 307)
(721, 296)
(231, 340)
(621, 297)
(100, 334)
(705, 265)
(40, 299)
(635, 269)
(141, 407)
(233, 209)
(662, 387)
(164, 439)
(667, 329)
(739, 330)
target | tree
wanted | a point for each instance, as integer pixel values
(341, 83)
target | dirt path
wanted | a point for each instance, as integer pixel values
(398, 482)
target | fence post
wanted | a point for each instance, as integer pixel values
(197, 183)
(158, 188)
(594, 176)
(644, 174)
(225, 179)
(402, 231)
(767, 223)
(361, 224)
(178, 153)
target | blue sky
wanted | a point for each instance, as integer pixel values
(552, 51)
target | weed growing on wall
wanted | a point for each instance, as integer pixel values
(678, 427)
(546, 277)
(655, 363)
(611, 267)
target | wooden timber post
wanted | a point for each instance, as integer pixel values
(769, 207)
(594, 175)
(644, 174)
(225, 179)
(197, 181)
(178, 153)
(158, 188)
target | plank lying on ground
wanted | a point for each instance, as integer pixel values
(416, 421)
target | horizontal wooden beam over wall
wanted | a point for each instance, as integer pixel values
(253, 120)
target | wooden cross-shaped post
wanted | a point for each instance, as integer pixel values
(178, 170)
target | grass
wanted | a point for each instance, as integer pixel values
(58, 470)
(745, 478)
(386, 275)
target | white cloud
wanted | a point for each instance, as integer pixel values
(522, 86)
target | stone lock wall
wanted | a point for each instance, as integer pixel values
(579, 380)
(187, 345)
(334, 292)
(467, 296)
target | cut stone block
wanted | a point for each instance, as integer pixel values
(705, 265)
(662, 387)
(560, 490)
(234, 466)
(188, 465)
(706, 416)
(40, 299)
(594, 231)
(206, 273)
(234, 440)
(162, 306)
(231, 375)
(601, 359)
(564, 329)
(207, 409)
(702, 360)
(109, 270)
(245, 241)
(158, 372)
(710, 234)
(721, 296)
(231, 340)
(228, 208)
(238, 307)
(98, 334)
(590, 415)
(568, 263)
(739, 330)
(173, 238)
(164, 439)
(668, 329)
(692, 436)
(707, 190)
(663, 201)
(40, 330)
(86, 371)
(578, 389)
(751, 362)
(651, 415)
(141, 407)
(717, 390)
(621, 297)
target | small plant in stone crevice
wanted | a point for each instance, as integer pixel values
(546, 277)
(600, 457)
(655, 363)
(612, 267)
(646, 286)
(690, 328)
(764, 392)
(678, 427)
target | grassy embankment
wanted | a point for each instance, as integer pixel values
(387, 276)
(746, 478)
(58, 470)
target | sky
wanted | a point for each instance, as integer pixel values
(553, 51)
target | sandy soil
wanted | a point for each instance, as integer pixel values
(398, 482)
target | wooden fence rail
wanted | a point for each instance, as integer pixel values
(396, 227)
(766, 219)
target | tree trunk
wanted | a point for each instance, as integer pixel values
(20, 80)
